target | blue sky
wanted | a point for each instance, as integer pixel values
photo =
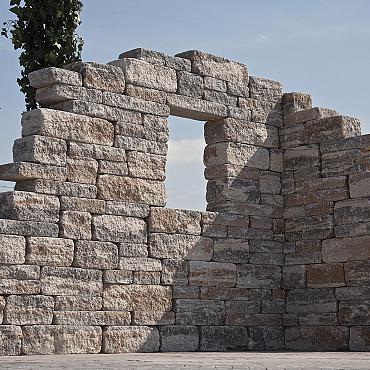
(319, 46)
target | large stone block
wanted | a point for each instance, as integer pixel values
(119, 229)
(95, 206)
(131, 190)
(50, 251)
(351, 211)
(166, 220)
(61, 339)
(294, 277)
(342, 162)
(137, 298)
(311, 114)
(87, 318)
(29, 310)
(12, 249)
(28, 228)
(146, 166)
(175, 272)
(82, 170)
(354, 313)
(141, 145)
(359, 185)
(295, 102)
(264, 89)
(153, 318)
(325, 275)
(75, 225)
(231, 250)
(359, 338)
(127, 209)
(68, 281)
(118, 339)
(10, 340)
(78, 303)
(179, 338)
(259, 276)
(265, 338)
(146, 94)
(178, 246)
(67, 126)
(52, 75)
(357, 273)
(212, 274)
(140, 264)
(96, 151)
(190, 84)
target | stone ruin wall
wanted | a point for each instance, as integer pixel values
(91, 260)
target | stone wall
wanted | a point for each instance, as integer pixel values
(91, 260)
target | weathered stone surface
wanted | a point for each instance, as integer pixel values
(147, 277)
(351, 211)
(146, 166)
(354, 313)
(29, 310)
(141, 145)
(223, 338)
(359, 338)
(119, 229)
(193, 108)
(127, 209)
(95, 206)
(165, 220)
(96, 255)
(96, 151)
(325, 275)
(10, 340)
(50, 76)
(231, 250)
(258, 276)
(178, 246)
(146, 94)
(75, 225)
(67, 126)
(175, 272)
(212, 273)
(216, 84)
(345, 162)
(153, 318)
(113, 168)
(12, 249)
(82, 170)
(264, 89)
(139, 72)
(68, 281)
(359, 185)
(311, 300)
(220, 97)
(118, 339)
(295, 102)
(357, 273)
(294, 277)
(15, 286)
(199, 312)
(28, 228)
(133, 250)
(83, 318)
(310, 114)
(78, 303)
(190, 84)
(50, 251)
(137, 298)
(131, 190)
(179, 338)
(266, 338)
(140, 264)
(61, 339)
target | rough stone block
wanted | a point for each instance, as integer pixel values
(359, 185)
(212, 273)
(75, 225)
(96, 255)
(311, 114)
(12, 249)
(137, 298)
(223, 338)
(264, 89)
(175, 272)
(113, 168)
(52, 75)
(221, 98)
(354, 313)
(69, 281)
(95, 206)
(178, 246)
(29, 310)
(345, 162)
(119, 229)
(190, 84)
(119, 339)
(28, 228)
(50, 251)
(325, 275)
(146, 166)
(231, 250)
(259, 276)
(294, 277)
(266, 338)
(96, 151)
(357, 273)
(359, 339)
(61, 339)
(141, 145)
(179, 338)
(82, 170)
(78, 303)
(295, 102)
(86, 318)
(133, 250)
(211, 83)
(153, 318)
(146, 94)
(10, 340)
(139, 264)
(147, 277)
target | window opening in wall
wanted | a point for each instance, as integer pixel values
(185, 183)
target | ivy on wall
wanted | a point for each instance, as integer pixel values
(45, 31)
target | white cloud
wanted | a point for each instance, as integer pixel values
(185, 151)
(260, 39)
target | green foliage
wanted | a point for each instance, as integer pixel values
(45, 31)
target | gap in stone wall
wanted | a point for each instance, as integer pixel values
(185, 183)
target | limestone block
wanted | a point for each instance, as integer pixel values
(325, 275)
(311, 114)
(231, 250)
(359, 185)
(96, 151)
(146, 94)
(311, 300)
(96, 255)
(211, 83)
(179, 338)
(21, 171)
(119, 229)
(264, 89)
(259, 276)
(50, 251)
(239, 113)
(57, 188)
(212, 273)
(131, 190)
(75, 225)
(236, 154)
(140, 264)
(147, 277)
(10, 340)
(178, 246)
(100, 76)
(67, 126)
(295, 102)
(213, 66)
(69, 281)
(29, 310)
(245, 132)
(141, 73)
(153, 318)
(118, 277)
(175, 272)
(40, 149)
(12, 249)
(84, 318)
(238, 89)
(199, 312)
(223, 338)
(197, 109)
(220, 97)
(119, 339)
(78, 303)
(137, 298)
(82, 204)
(28, 228)
(266, 339)
(61, 339)
(113, 168)
(166, 220)
(190, 84)
(317, 338)
(359, 338)
(50, 76)
(357, 273)
(141, 145)
(146, 166)
(127, 209)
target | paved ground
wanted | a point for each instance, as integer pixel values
(245, 361)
